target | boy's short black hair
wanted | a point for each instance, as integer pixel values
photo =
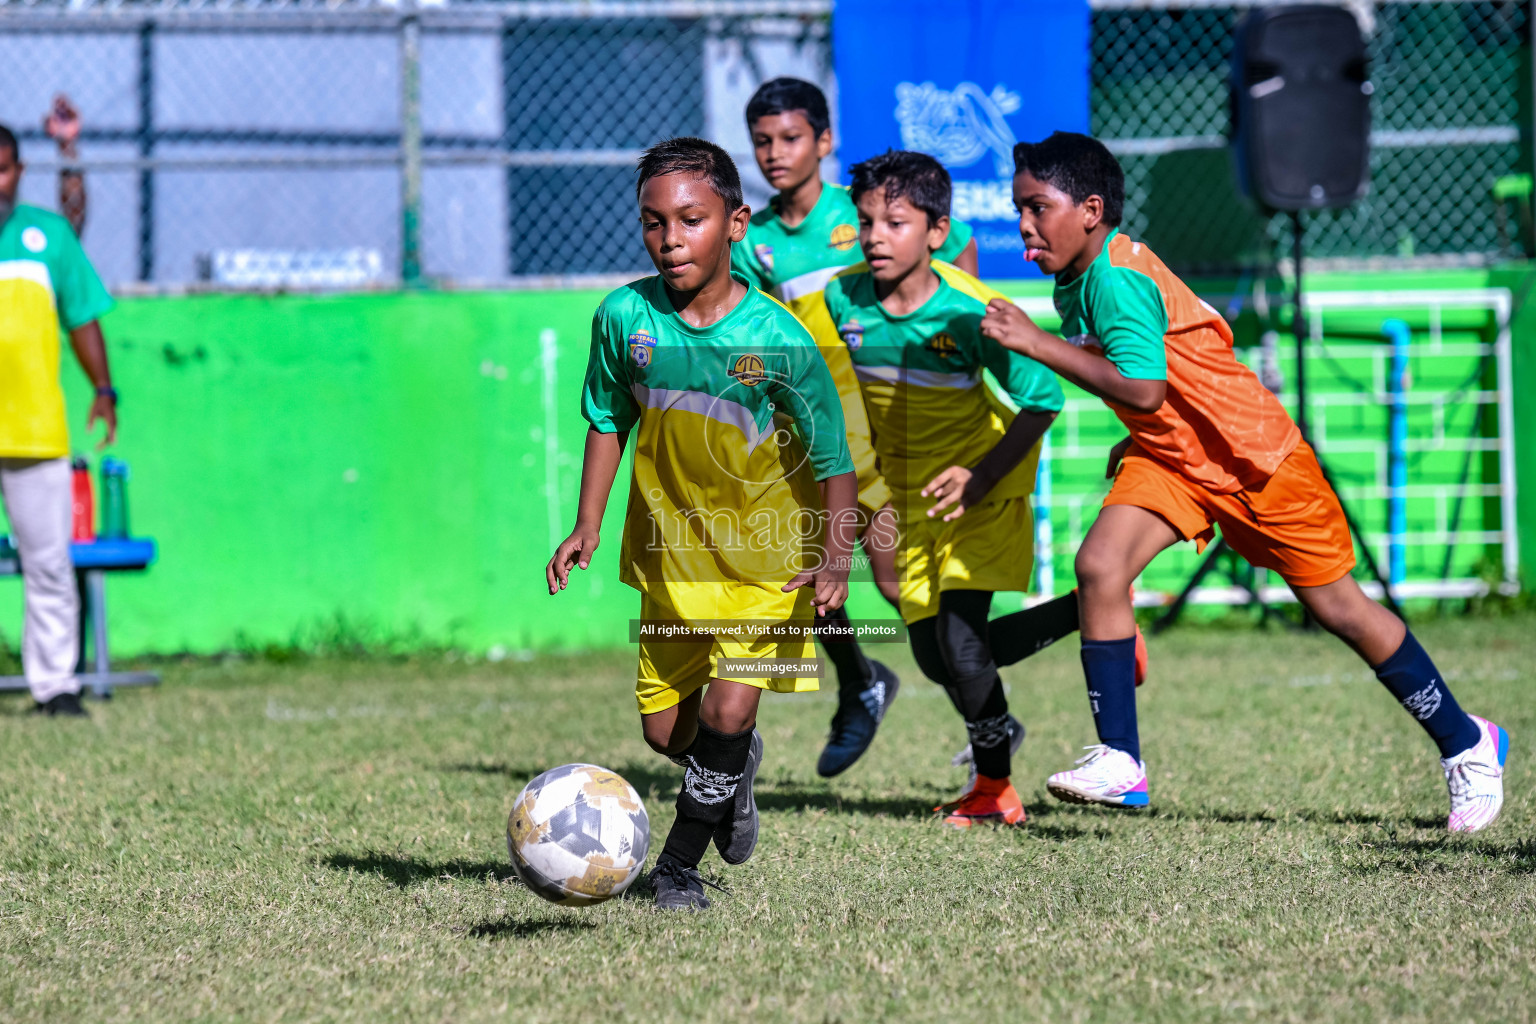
(688, 155)
(916, 177)
(9, 141)
(787, 95)
(1079, 165)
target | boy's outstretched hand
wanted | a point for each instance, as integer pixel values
(1010, 327)
(575, 550)
(831, 588)
(956, 484)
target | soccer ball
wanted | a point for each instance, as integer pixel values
(578, 834)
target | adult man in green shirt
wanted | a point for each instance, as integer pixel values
(46, 284)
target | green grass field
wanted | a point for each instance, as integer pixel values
(324, 840)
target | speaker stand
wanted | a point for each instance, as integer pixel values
(1300, 328)
(1214, 553)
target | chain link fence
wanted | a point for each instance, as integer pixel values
(266, 143)
(263, 144)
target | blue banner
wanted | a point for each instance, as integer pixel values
(963, 80)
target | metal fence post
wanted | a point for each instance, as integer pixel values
(410, 145)
(508, 143)
(146, 140)
(1398, 335)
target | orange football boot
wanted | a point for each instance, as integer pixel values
(991, 802)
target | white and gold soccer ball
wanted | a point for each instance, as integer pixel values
(578, 834)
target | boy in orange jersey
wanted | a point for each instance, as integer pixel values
(1208, 446)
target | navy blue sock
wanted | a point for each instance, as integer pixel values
(1110, 666)
(1416, 683)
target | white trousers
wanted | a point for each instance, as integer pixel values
(39, 504)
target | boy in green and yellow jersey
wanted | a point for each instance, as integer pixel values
(810, 230)
(808, 233)
(741, 510)
(959, 464)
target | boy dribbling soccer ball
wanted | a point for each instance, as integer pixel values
(1208, 446)
(739, 443)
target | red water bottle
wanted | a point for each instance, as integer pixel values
(83, 530)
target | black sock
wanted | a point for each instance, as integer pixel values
(1110, 666)
(975, 687)
(853, 672)
(712, 766)
(1016, 636)
(1418, 686)
(987, 727)
(924, 638)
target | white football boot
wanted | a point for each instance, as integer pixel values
(1103, 776)
(1475, 778)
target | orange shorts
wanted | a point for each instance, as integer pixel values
(1292, 523)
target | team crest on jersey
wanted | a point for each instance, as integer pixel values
(843, 237)
(853, 334)
(34, 239)
(640, 345)
(764, 254)
(943, 344)
(748, 369)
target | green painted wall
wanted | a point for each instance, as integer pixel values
(1521, 281)
(382, 459)
(1348, 366)
(379, 457)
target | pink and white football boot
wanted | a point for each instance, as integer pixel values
(1475, 778)
(1103, 776)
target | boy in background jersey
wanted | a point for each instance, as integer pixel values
(810, 230)
(961, 467)
(1208, 445)
(808, 233)
(702, 368)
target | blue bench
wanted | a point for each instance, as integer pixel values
(92, 562)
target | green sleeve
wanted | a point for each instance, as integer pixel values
(810, 396)
(954, 245)
(745, 263)
(606, 401)
(80, 293)
(1129, 319)
(1032, 386)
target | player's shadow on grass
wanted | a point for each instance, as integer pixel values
(657, 783)
(1450, 854)
(404, 872)
(652, 782)
(515, 929)
(798, 798)
(1313, 817)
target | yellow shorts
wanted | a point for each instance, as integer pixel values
(991, 547)
(874, 494)
(671, 671)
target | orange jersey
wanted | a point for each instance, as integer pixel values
(1218, 426)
